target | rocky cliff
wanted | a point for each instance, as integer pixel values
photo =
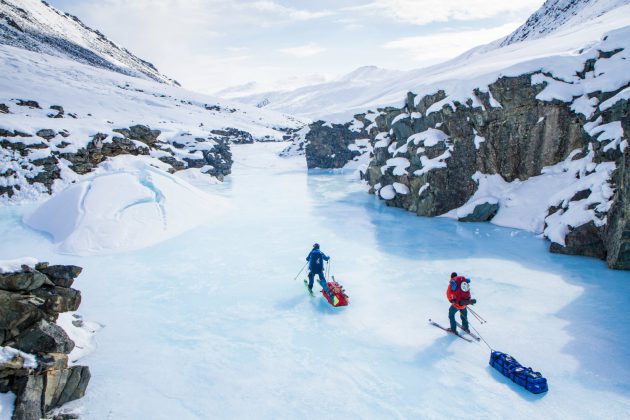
(34, 349)
(34, 160)
(510, 146)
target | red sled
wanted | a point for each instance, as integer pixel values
(340, 297)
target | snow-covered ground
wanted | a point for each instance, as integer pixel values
(211, 324)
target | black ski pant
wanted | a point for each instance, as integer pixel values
(463, 313)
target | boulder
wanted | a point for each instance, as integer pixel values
(141, 133)
(58, 299)
(43, 337)
(28, 103)
(25, 280)
(17, 313)
(46, 133)
(4, 109)
(28, 403)
(61, 275)
(65, 385)
(584, 240)
(482, 213)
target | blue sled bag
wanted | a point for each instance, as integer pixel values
(509, 367)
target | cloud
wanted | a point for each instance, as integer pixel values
(306, 50)
(421, 12)
(289, 12)
(430, 49)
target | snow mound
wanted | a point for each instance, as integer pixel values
(127, 205)
(11, 266)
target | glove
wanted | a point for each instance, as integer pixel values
(473, 301)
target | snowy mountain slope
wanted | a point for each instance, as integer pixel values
(62, 123)
(36, 26)
(323, 99)
(105, 104)
(338, 101)
(555, 14)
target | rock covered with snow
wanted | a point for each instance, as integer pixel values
(540, 145)
(61, 117)
(34, 349)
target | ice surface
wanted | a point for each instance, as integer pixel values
(210, 324)
(6, 405)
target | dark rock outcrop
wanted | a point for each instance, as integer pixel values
(327, 145)
(435, 148)
(583, 240)
(481, 213)
(27, 324)
(135, 140)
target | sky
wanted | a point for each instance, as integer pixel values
(210, 45)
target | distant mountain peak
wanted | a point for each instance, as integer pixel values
(34, 25)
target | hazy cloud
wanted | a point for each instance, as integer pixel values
(289, 12)
(421, 12)
(436, 47)
(306, 50)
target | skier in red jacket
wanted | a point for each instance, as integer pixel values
(458, 293)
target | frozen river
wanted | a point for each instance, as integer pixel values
(211, 324)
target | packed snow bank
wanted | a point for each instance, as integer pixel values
(81, 332)
(10, 266)
(525, 204)
(128, 204)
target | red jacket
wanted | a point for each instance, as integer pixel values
(454, 291)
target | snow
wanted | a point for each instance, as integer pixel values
(478, 139)
(521, 206)
(81, 332)
(585, 106)
(9, 353)
(387, 192)
(196, 323)
(10, 266)
(432, 164)
(400, 165)
(623, 94)
(400, 188)
(127, 204)
(428, 138)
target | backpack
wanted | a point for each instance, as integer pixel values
(316, 261)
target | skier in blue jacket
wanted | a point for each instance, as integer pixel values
(316, 260)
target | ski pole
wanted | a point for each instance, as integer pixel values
(479, 335)
(302, 269)
(476, 315)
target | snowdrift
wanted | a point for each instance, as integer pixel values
(128, 204)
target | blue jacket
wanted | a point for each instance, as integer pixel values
(316, 260)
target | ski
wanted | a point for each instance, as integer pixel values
(450, 332)
(310, 292)
(469, 333)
